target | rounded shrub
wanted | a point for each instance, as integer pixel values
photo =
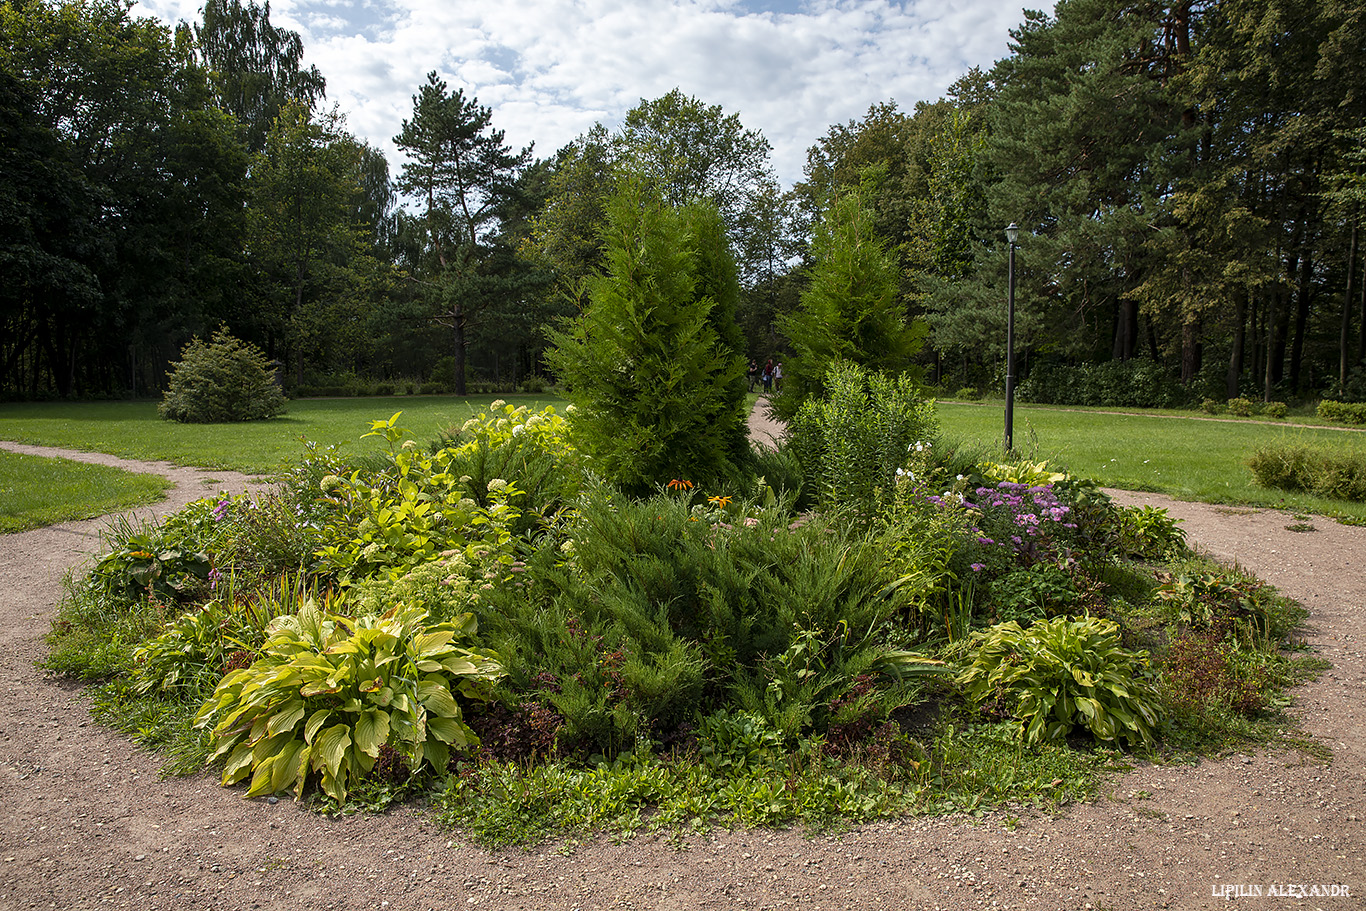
(219, 382)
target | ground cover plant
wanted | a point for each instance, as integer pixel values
(37, 491)
(480, 618)
(1199, 460)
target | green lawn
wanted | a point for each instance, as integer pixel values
(1167, 453)
(133, 430)
(1186, 458)
(35, 491)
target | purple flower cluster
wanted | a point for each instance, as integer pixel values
(1021, 518)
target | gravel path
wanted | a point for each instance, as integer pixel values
(87, 822)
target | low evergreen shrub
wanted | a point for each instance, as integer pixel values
(221, 381)
(1240, 407)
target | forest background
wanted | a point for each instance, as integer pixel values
(1188, 177)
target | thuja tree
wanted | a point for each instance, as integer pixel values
(653, 363)
(853, 310)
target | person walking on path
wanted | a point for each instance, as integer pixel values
(778, 377)
(768, 376)
(753, 373)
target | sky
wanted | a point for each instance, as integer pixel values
(550, 69)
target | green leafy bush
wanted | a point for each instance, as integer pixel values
(659, 610)
(1342, 412)
(1136, 383)
(1061, 673)
(1210, 406)
(1149, 533)
(1332, 473)
(329, 692)
(1276, 410)
(1240, 407)
(852, 442)
(142, 562)
(221, 381)
(411, 512)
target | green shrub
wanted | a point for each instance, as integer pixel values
(1210, 406)
(852, 442)
(1342, 412)
(852, 307)
(201, 645)
(1275, 410)
(221, 381)
(1061, 673)
(663, 609)
(1201, 671)
(967, 394)
(1240, 407)
(1136, 383)
(1327, 472)
(1149, 533)
(653, 365)
(533, 384)
(329, 692)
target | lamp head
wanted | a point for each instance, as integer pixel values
(1012, 233)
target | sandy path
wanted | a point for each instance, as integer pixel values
(88, 824)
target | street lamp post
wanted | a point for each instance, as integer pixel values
(1012, 235)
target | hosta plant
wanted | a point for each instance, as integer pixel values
(1061, 673)
(329, 692)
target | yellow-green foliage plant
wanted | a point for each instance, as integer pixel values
(388, 522)
(1061, 673)
(329, 691)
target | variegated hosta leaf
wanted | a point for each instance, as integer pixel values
(330, 691)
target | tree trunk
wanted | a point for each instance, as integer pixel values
(1190, 350)
(1343, 365)
(1281, 328)
(458, 340)
(1302, 301)
(1268, 377)
(1255, 333)
(1126, 329)
(1235, 361)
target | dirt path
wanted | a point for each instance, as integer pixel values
(87, 823)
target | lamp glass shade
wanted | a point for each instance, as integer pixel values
(1012, 233)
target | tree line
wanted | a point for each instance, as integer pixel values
(1188, 179)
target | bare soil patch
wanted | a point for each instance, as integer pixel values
(88, 823)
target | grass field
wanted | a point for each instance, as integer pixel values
(35, 491)
(133, 430)
(1184, 457)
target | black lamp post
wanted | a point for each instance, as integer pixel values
(1012, 235)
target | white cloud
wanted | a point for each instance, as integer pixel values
(551, 68)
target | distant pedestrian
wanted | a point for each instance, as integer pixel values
(768, 376)
(753, 373)
(778, 377)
